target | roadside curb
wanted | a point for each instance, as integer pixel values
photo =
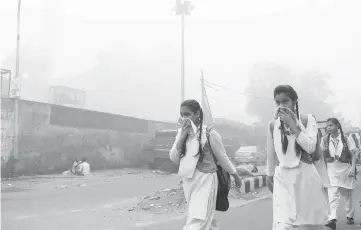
(253, 183)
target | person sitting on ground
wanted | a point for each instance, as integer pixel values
(83, 168)
(73, 169)
(75, 166)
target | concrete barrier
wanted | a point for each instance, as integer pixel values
(253, 183)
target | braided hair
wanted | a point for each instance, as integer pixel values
(194, 106)
(337, 123)
(291, 93)
(355, 140)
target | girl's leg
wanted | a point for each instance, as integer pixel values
(334, 196)
(214, 225)
(350, 210)
(197, 224)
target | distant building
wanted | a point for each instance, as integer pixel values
(62, 95)
(5, 82)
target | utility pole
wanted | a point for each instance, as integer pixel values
(18, 41)
(17, 75)
(183, 8)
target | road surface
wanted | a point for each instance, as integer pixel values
(103, 203)
(77, 203)
(257, 216)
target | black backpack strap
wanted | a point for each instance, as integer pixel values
(208, 133)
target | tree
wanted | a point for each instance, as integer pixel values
(311, 87)
(263, 79)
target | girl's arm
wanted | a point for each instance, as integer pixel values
(307, 138)
(322, 143)
(352, 147)
(220, 153)
(175, 152)
(271, 153)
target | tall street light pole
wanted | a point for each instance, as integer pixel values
(17, 76)
(18, 41)
(183, 9)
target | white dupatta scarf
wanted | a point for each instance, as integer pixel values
(189, 162)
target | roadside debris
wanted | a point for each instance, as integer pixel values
(161, 172)
(165, 200)
(170, 200)
(61, 186)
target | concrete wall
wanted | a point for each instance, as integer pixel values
(51, 136)
(7, 129)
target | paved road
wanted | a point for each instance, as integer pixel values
(257, 216)
(94, 203)
(99, 205)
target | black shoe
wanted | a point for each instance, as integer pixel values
(350, 221)
(331, 224)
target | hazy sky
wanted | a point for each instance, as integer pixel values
(224, 38)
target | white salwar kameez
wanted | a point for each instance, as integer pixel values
(299, 200)
(341, 183)
(200, 189)
(200, 192)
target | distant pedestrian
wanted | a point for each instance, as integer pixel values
(198, 149)
(299, 199)
(340, 155)
(84, 168)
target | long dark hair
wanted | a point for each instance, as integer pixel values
(337, 122)
(290, 92)
(355, 140)
(194, 106)
(343, 139)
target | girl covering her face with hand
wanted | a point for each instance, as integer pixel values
(197, 158)
(299, 200)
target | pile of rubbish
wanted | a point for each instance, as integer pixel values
(170, 200)
(163, 201)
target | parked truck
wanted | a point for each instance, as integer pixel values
(156, 152)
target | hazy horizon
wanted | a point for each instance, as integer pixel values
(224, 39)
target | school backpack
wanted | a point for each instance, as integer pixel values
(224, 181)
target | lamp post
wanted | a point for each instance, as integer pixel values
(17, 76)
(183, 9)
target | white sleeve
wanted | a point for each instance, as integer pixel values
(174, 154)
(351, 144)
(220, 153)
(322, 143)
(271, 153)
(308, 136)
